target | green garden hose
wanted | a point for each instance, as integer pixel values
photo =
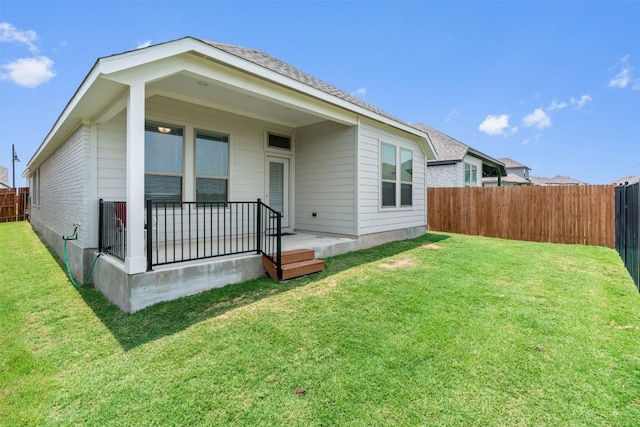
(74, 236)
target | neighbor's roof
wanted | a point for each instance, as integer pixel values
(450, 150)
(511, 178)
(556, 180)
(627, 180)
(510, 163)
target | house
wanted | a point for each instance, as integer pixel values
(4, 177)
(457, 164)
(556, 180)
(517, 174)
(631, 179)
(188, 162)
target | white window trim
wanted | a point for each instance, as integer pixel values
(277, 150)
(398, 206)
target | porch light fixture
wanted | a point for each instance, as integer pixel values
(164, 130)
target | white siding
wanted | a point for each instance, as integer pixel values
(246, 139)
(112, 175)
(64, 193)
(325, 178)
(373, 218)
(472, 161)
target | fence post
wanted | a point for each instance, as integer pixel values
(279, 245)
(149, 236)
(259, 227)
(100, 224)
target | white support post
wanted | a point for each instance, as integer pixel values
(135, 261)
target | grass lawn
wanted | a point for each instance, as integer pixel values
(438, 330)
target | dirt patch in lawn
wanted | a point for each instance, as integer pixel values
(431, 246)
(400, 263)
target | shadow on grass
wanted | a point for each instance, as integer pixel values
(167, 318)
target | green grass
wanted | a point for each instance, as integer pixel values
(438, 330)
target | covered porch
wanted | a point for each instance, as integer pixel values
(193, 261)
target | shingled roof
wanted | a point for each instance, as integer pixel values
(267, 61)
(450, 150)
(510, 163)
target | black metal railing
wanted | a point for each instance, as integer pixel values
(112, 231)
(627, 224)
(188, 231)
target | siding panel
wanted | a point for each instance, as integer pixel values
(373, 219)
(325, 178)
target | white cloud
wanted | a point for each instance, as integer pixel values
(621, 80)
(579, 103)
(360, 92)
(497, 125)
(538, 119)
(557, 105)
(451, 116)
(29, 72)
(144, 44)
(9, 34)
(624, 76)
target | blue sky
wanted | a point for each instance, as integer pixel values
(554, 85)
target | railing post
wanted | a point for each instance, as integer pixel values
(259, 226)
(149, 236)
(100, 225)
(279, 245)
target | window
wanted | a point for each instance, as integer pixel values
(279, 141)
(163, 145)
(397, 176)
(212, 167)
(406, 177)
(389, 182)
(470, 175)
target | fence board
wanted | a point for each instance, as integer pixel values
(565, 214)
(13, 204)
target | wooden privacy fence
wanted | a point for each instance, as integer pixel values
(13, 204)
(581, 214)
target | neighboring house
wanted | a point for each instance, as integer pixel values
(556, 180)
(517, 174)
(457, 164)
(4, 177)
(204, 130)
(626, 180)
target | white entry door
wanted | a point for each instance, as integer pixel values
(277, 190)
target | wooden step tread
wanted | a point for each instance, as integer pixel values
(294, 269)
(296, 255)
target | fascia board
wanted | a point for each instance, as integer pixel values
(443, 162)
(488, 160)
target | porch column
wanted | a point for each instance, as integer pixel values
(135, 261)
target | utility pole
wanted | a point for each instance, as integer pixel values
(14, 159)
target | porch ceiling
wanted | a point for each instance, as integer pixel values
(207, 92)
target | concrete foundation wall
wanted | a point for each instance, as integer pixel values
(132, 293)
